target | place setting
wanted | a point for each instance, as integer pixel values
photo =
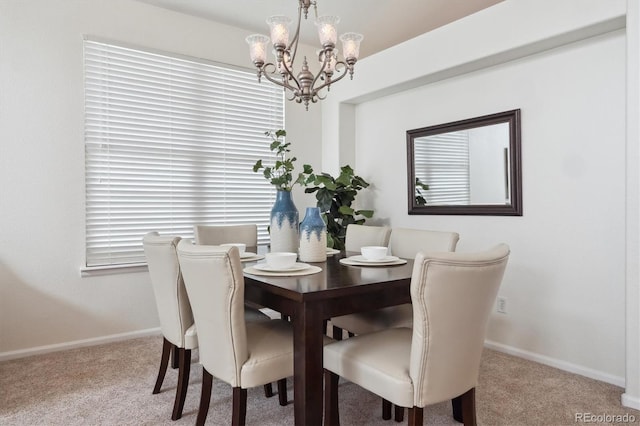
(282, 264)
(373, 256)
(245, 256)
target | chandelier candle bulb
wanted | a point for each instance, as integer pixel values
(327, 30)
(258, 48)
(279, 26)
(351, 45)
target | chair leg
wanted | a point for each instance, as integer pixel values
(456, 406)
(469, 407)
(399, 414)
(337, 333)
(350, 334)
(268, 390)
(331, 413)
(174, 357)
(386, 409)
(205, 397)
(239, 413)
(164, 361)
(415, 416)
(282, 392)
(184, 368)
(324, 327)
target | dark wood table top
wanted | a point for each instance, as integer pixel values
(335, 280)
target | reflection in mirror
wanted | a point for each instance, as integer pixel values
(466, 167)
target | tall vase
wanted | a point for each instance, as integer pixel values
(284, 224)
(313, 237)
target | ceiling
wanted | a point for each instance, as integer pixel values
(383, 23)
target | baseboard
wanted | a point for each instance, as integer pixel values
(630, 401)
(556, 363)
(5, 356)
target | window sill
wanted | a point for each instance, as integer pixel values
(96, 271)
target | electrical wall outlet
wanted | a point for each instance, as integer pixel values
(501, 305)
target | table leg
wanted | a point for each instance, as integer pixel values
(307, 366)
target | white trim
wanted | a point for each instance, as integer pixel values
(631, 397)
(630, 401)
(38, 350)
(556, 363)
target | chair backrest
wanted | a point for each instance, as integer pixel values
(358, 236)
(214, 235)
(172, 302)
(215, 284)
(452, 296)
(407, 243)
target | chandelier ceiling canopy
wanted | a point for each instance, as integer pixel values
(304, 86)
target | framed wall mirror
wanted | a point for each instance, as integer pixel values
(467, 167)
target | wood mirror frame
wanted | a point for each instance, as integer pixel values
(513, 172)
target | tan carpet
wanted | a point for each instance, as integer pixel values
(111, 385)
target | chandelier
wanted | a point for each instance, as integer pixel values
(305, 86)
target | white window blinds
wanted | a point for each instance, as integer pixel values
(170, 142)
(442, 162)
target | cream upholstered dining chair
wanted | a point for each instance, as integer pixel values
(439, 358)
(363, 235)
(405, 243)
(174, 311)
(223, 234)
(241, 353)
(358, 236)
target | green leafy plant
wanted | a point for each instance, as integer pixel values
(280, 174)
(334, 198)
(420, 200)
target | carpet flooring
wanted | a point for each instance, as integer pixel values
(111, 385)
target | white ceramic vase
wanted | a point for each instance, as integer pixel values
(284, 224)
(313, 237)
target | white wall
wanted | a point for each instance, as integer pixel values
(572, 102)
(43, 299)
(565, 283)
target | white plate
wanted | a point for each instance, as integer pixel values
(332, 251)
(362, 259)
(349, 261)
(247, 254)
(296, 267)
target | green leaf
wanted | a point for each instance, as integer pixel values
(346, 210)
(344, 179)
(280, 133)
(324, 198)
(257, 166)
(307, 169)
(366, 213)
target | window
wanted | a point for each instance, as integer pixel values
(170, 142)
(442, 162)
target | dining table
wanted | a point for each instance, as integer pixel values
(309, 300)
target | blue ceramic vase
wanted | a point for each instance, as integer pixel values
(313, 237)
(284, 224)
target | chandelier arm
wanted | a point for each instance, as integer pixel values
(340, 76)
(294, 40)
(318, 96)
(324, 66)
(290, 75)
(280, 83)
